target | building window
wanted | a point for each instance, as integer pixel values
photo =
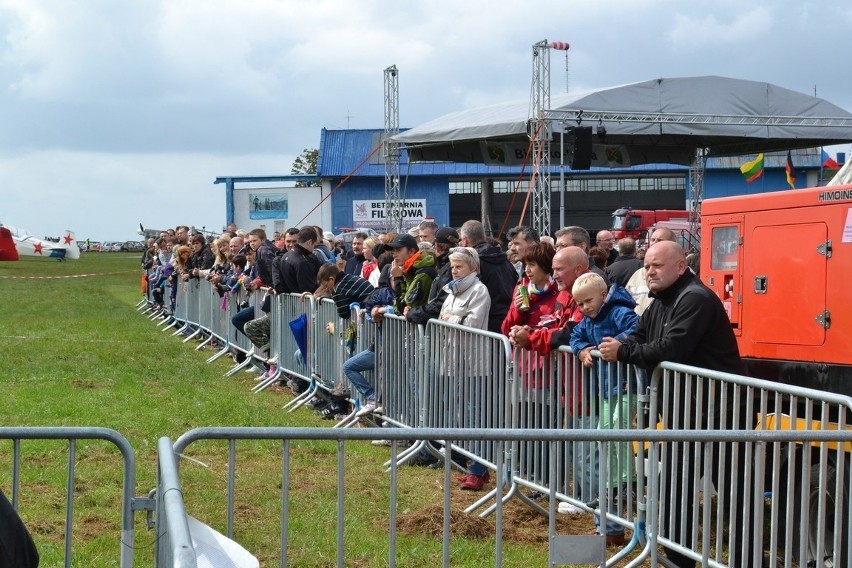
(580, 184)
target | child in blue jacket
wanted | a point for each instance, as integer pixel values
(608, 312)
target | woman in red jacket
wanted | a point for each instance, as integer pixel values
(541, 289)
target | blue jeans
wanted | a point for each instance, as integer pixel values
(242, 317)
(354, 366)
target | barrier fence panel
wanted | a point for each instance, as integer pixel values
(291, 357)
(220, 321)
(356, 494)
(349, 498)
(276, 331)
(399, 359)
(174, 546)
(577, 409)
(239, 341)
(181, 306)
(737, 502)
(538, 401)
(466, 376)
(78, 491)
(366, 337)
(330, 347)
(205, 293)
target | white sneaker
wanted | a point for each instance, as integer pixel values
(568, 509)
(369, 408)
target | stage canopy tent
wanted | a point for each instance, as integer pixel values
(656, 121)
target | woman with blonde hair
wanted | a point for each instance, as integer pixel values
(370, 261)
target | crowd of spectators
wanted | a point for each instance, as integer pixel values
(540, 291)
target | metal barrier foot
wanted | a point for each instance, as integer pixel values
(239, 367)
(222, 352)
(350, 420)
(482, 501)
(407, 454)
(207, 341)
(191, 335)
(267, 380)
(302, 398)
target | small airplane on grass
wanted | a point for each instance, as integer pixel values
(28, 245)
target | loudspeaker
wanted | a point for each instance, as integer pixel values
(578, 143)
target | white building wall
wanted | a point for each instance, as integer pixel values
(301, 207)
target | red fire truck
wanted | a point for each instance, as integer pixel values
(634, 223)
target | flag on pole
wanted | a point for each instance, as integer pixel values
(828, 162)
(753, 169)
(791, 175)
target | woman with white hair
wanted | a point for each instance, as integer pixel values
(468, 303)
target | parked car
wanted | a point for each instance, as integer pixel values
(348, 234)
(111, 246)
(132, 246)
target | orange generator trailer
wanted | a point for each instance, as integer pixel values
(782, 263)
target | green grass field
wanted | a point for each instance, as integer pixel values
(75, 352)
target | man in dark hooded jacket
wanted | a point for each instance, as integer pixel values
(495, 271)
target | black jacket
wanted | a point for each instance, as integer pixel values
(693, 329)
(264, 256)
(296, 271)
(354, 264)
(499, 276)
(202, 260)
(622, 269)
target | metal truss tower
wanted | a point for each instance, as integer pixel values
(393, 207)
(540, 133)
(696, 181)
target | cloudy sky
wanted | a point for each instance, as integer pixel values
(115, 113)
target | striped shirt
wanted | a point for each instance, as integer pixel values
(348, 290)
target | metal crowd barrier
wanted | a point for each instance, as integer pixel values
(238, 340)
(291, 357)
(712, 497)
(20, 474)
(174, 546)
(357, 336)
(679, 494)
(330, 349)
(220, 321)
(563, 549)
(399, 362)
(464, 383)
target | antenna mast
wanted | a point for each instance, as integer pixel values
(541, 133)
(393, 209)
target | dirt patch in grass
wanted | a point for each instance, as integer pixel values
(520, 522)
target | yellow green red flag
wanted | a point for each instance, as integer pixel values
(753, 169)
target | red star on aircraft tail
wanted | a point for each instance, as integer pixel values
(37, 248)
(68, 239)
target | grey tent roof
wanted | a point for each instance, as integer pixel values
(661, 120)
